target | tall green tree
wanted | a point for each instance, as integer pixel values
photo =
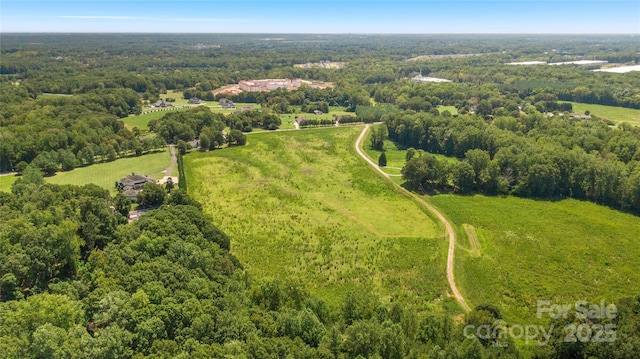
(152, 195)
(382, 160)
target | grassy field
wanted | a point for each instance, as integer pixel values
(141, 121)
(301, 205)
(539, 250)
(396, 157)
(6, 182)
(105, 174)
(613, 113)
(287, 119)
(451, 109)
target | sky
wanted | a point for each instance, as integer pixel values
(313, 16)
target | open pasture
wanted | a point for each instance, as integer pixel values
(613, 113)
(531, 250)
(301, 205)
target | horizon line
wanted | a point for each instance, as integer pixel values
(315, 33)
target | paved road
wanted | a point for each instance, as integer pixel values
(430, 208)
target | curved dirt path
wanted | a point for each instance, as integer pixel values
(430, 208)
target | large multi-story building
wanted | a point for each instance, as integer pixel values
(273, 84)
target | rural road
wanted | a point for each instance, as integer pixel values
(174, 160)
(430, 208)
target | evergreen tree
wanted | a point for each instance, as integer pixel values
(382, 160)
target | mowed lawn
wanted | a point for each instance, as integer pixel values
(287, 119)
(106, 174)
(531, 250)
(613, 113)
(301, 205)
(142, 121)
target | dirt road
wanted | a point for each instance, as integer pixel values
(430, 208)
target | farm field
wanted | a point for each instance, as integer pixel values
(530, 250)
(105, 174)
(302, 206)
(613, 113)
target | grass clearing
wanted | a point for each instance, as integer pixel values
(6, 182)
(142, 121)
(613, 113)
(287, 119)
(452, 109)
(396, 156)
(301, 205)
(532, 250)
(105, 174)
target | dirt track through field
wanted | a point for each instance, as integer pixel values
(473, 239)
(430, 208)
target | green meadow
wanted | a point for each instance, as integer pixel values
(613, 113)
(529, 250)
(142, 121)
(287, 119)
(105, 174)
(396, 156)
(6, 181)
(452, 109)
(302, 206)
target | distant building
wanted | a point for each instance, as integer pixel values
(162, 104)
(580, 116)
(581, 62)
(132, 184)
(274, 84)
(227, 104)
(195, 101)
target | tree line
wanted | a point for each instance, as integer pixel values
(57, 132)
(531, 156)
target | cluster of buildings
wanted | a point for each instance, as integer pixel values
(274, 84)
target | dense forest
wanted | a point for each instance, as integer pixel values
(77, 281)
(530, 156)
